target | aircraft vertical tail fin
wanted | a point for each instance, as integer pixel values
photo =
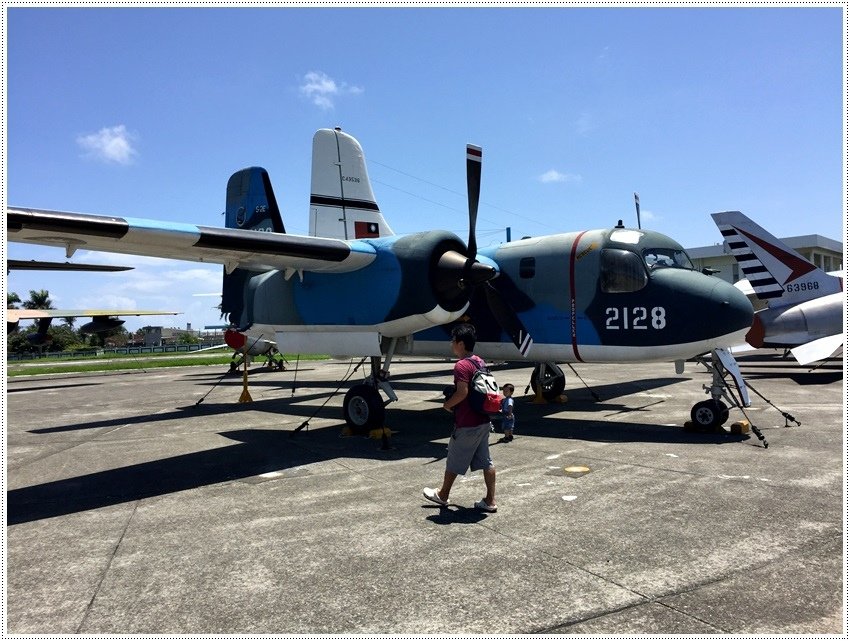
(342, 204)
(250, 204)
(774, 270)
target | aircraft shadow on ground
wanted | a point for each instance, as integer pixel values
(261, 451)
(770, 366)
(294, 404)
(13, 390)
(255, 452)
(800, 378)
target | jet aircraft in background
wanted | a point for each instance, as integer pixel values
(102, 320)
(354, 287)
(804, 305)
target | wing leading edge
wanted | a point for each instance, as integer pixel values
(232, 248)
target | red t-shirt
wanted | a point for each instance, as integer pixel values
(465, 416)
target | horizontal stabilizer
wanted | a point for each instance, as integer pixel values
(818, 350)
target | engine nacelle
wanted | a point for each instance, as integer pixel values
(101, 324)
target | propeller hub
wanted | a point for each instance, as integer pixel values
(454, 275)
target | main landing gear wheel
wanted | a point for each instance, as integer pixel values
(363, 408)
(553, 380)
(709, 414)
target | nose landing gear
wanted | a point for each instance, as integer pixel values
(709, 414)
(713, 412)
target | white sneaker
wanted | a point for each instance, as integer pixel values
(484, 507)
(431, 494)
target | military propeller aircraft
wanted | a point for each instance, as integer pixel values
(805, 306)
(354, 287)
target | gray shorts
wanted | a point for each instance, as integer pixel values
(469, 449)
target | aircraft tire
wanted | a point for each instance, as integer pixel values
(554, 382)
(709, 414)
(363, 408)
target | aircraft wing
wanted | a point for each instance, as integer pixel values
(249, 249)
(46, 265)
(818, 350)
(15, 315)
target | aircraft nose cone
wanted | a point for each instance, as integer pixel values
(736, 312)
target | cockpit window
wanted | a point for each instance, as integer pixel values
(666, 257)
(622, 272)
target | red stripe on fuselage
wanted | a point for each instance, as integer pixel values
(573, 297)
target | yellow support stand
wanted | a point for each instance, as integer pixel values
(245, 397)
(538, 396)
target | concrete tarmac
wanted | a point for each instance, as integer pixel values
(154, 502)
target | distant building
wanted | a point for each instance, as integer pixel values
(153, 336)
(824, 252)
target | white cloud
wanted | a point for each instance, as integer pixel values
(647, 215)
(107, 301)
(584, 124)
(154, 284)
(110, 144)
(321, 89)
(554, 176)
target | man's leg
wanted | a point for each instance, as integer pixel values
(448, 481)
(490, 483)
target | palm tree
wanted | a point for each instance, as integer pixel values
(69, 321)
(39, 300)
(12, 300)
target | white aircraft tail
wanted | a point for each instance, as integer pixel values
(342, 204)
(776, 272)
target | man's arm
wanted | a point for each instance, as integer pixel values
(461, 392)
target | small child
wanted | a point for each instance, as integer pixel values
(507, 412)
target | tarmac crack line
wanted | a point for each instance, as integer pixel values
(660, 599)
(558, 629)
(46, 455)
(103, 574)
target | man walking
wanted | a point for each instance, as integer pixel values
(469, 447)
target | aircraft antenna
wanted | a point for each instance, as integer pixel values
(637, 208)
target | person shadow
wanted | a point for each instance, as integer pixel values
(449, 514)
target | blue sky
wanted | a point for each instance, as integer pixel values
(147, 112)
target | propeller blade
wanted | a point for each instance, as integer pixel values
(637, 207)
(473, 189)
(508, 319)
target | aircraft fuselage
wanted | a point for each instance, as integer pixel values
(605, 295)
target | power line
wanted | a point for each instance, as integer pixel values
(451, 191)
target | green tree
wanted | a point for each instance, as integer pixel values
(12, 300)
(39, 300)
(63, 339)
(187, 338)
